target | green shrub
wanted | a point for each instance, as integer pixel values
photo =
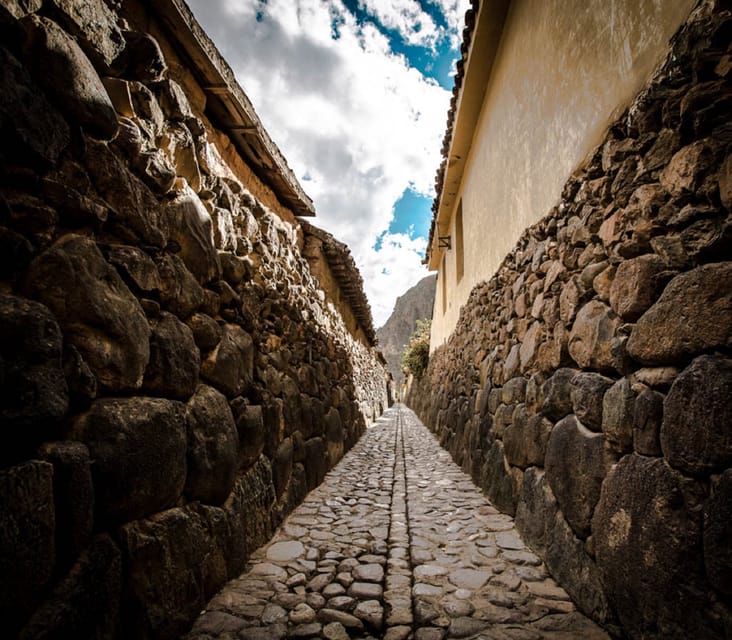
(416, 356)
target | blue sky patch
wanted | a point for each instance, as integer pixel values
(437, 64)
(411, 215)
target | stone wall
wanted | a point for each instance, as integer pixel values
(588, 385)
(172, 378)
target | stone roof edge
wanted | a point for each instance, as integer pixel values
(244, 128)
(348, 276)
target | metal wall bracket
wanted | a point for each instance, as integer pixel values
(443, 242)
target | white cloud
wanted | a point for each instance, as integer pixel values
(407, 17)
(348, 113)
(392, 270)
(454, 12)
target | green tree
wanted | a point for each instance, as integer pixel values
(416, 356)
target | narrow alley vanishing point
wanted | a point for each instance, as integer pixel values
(396, 543)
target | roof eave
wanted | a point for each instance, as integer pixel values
(229, 107)
(478, 68)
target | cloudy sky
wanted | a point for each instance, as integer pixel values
(355, 93)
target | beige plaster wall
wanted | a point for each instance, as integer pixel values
(563, 71)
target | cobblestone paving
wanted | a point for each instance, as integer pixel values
(397, 543)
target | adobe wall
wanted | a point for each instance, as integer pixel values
(172, 379)
(563, 71)
(588, 385)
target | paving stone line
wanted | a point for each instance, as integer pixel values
(396, 543)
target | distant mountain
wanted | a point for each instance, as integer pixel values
(415, 304)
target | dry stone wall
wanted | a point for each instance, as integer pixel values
(172, 378)
(588, 385)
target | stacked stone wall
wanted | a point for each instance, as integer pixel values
(173, 380)
(588, 385)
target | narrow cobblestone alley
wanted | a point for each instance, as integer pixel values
(396, 543)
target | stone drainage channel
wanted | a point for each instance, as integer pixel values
(396, 543)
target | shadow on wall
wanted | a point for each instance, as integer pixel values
(171, 379)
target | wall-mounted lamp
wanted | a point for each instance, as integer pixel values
(443, 242)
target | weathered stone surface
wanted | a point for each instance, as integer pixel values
(134, 211)
(155, 170)
(96, 311)
(647, 419)
(647, 531)
(27, 548)
(718, 534)
(248, 514)
(590, 340)
(316, 462)
(172, 566)
(16, 253)
(525, 440)
(173, 100)
(180, 291)
(142, 57)
(701, 297)
(94, 25)
(696, 434)
(86, 601)
(569, 300)
(139, 450)
(567, 559)
(498, 482)
(618, 408)
(73, 496)
(334, 436)
(136, 268)
(79, 377)
(190, 226)
(230, 366)
(636, 285)
(686, 169)
(174, 359)
(514, 391)
(250, 427)
(656, 377)
(586, 391)
(282, 466)
(212, 447)
(557, 394)
(206, 331)
(33, 393)
(66, 74)
(35, 130)
(575, 468)
(530, 344)
(177, 143)
(535, 510)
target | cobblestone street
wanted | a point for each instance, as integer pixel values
(396, 543)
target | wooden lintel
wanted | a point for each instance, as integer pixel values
(240, 128)
(217, 89)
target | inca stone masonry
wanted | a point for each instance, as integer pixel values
(182, 357)
(174, 377)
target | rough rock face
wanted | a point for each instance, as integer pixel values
(173, 378)
(415, 304)
(587, 384)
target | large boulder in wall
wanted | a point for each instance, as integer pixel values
(696, 433)
(647, 530)
(96, 311)
(701, 297)
(139, 450)
(33, 389)
(69, 78)
(212, 447)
